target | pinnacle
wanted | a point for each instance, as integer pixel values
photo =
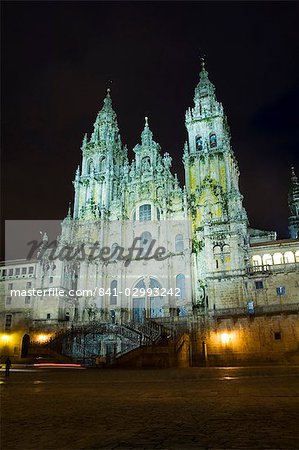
(146, 134)
(293, 171)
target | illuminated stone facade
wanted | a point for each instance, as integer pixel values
(216, 260)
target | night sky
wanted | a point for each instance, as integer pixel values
(58, 58)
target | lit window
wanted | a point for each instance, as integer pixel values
(267, 260)
(179, 243)
(289, 257)
(8, 300)
(198, 142)
(259, 285)
(113, 294)
(180, 284)
(27, 300)
(257, 260)
(8, 320)
(213, 140)
(277, 258)
(281, 290)
(145, 213)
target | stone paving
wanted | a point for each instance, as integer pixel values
(197, 408)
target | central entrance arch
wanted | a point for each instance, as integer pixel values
(149, 303)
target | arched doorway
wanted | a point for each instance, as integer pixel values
(25, 345)
(149, 303)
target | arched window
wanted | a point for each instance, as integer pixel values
(145, 242)
(113, 293)
(198, 142)
(213, 140)
(226, 257)
(140, 284)
(180, 284)
(89, 167)
(102, 165)
(145, 213)
(158, 214)
(179, 243)
(217, 250)
(226, 249)
(217, 256)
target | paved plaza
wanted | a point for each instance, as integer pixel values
(196, 408)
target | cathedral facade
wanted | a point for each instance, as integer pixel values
(136, 245)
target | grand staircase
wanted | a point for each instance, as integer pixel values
(83, 343)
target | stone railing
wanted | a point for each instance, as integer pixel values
(225, 273)
(175, 326)
(258, 310)
(267, 269)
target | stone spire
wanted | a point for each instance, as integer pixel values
(294, 205)
(205, 102)
(204, 87)
(84, 142)
(146, 135)
(105, 126)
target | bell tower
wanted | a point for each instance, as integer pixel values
(211, 169)
(219, 220)
(103, 156)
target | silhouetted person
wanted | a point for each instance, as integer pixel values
(7, 366)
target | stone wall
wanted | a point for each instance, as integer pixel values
(247, 340)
